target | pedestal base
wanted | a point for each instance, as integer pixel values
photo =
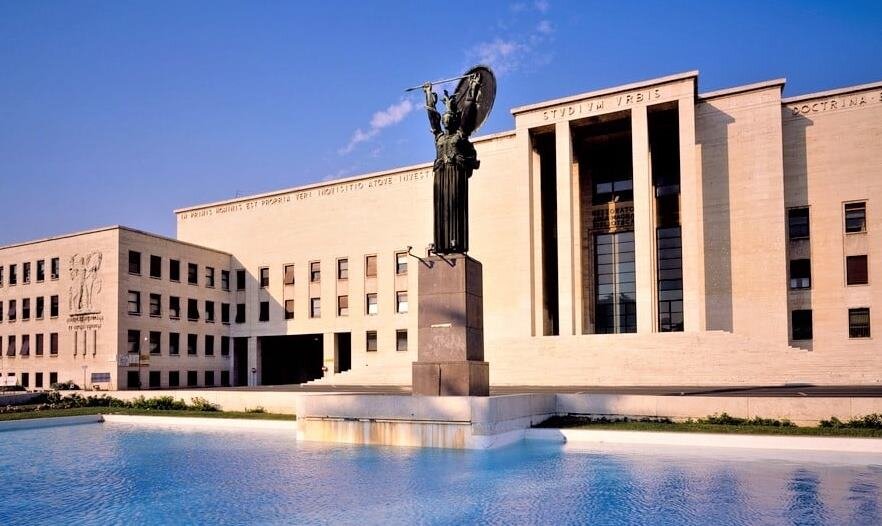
(460, 378)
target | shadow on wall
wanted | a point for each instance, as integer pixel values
(714, 143)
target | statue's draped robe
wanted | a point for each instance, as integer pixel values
(455, 159)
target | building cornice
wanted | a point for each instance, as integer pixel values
(743, 89)
(108, 229)
(832, 92)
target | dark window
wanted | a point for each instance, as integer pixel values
(371, 341)
(53, 306)
(155, 305)
(41, 307)
(153, 379)
(174, 378)
(134, 302)
(134, 342)
(342, 305)
(225, 313)
(155, 346)
(25, 345)
(616, 293)
(401, 304)
(370, 266)
(41, 270)
(264, 311)
(192, 379)
(174, 307)
(209, 277)
(25, 380)
(39, 345)
(155, 267)
(10, 346)
(209, 378)
(209, 345)
(1, 275)
(53, 378)
(192, 342)
(798, 223)
(26, 272)
(264, 277)
(13, 276)
(1, 310)
(192, 273)
(54, 268)
(134, 262)
(315, 272)
(225, 378)
(26, 309)
(209, 312)
(13, 311)
(240, 313)
(225, 279)
(801, 321)
(401, 340)
(371, 307)
(133, 379)
(289, 274)
(859, 323)
(856, 270)
(53, 344)
(855, 217)
(174, 344)
(174, 270)
(315, 307)
(670, 279)
(38, 380)
(800, 274)
(192, 309)
(289, 309)
(240, 279)
(225, 345)
(401, 263)
(342, 269)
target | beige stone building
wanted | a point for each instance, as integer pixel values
(645, 234)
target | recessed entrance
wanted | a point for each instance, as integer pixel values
(342, 352)
(240, 361)
(290, 359)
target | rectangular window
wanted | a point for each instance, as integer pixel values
(13, 311)
(240, 279)
(225, 378)
(263, 315)
(670, 277)
(209, 345)
(13, 276)
(153, 379)
(859, 323)
(315, 307)
(855, 217)
(41, 270)
(155, 346)
(342, 305)
(192, 273)
(801, 322)
(225, 345)
(343, 269)
(53, 379)
(38, 351)
(401, 340)
(225, 279)
(371, 306)
(798, 223)
(53, 344)
(225, 313)
(1, 311)
(289, 275)
(54, 268)
(800, 274)
(41, 307)
(856, 270)
(155, 267)
(174, 307)
(25, 380)
(38, 380)
(616, 284)
(192, 342)
(53, 306)
(26, 345)
(155, 305)
(240, 313)
(26, 309)
(263, 272)
(315, 272)
(174, 270)
(370, 266)
(134, 262)
(174, 378)
(192, 379)
(289, 309)
(209, 378)
(174, 344)
(1, 275)
(134, 342)
(26, 272)
(209, 277)
(134, 303)
(371, 341)
(401, 305)
(209, 312)
(10, 346)
(401, 263)
(192, 309)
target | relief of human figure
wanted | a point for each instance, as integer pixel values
(91, 283)
(77, 276)
(85, 282)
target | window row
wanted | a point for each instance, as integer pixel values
(854, 220)
(173, 379)
(154, 308)
(16, 346)
(25, 379)
(174, 271)
(40, 268)
(371, 306)
(400, 341)
(342, 271)
(856, 272)
(39, 309)
(154, 343)
(858, 323)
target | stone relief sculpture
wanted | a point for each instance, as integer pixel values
(85, 281)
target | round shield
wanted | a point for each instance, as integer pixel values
(486, 93)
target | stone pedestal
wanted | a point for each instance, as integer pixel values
(450, 354)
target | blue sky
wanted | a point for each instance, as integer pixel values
(119, 112)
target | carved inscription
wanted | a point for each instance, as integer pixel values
(835, 103)
(82, 322)
(615, 102)
(612, 219)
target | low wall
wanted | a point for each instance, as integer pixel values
(272, 402)
(36, 423)
(16, 398)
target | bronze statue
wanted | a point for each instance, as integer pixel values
(466, 110)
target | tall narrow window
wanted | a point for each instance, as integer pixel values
(155, 305)
(315, 307)
(225, 345)
(264, 277)
(26, 273)
(209, 277)
(41, 307)
(54, 268)
(401, 263)
(174, 307)
(225, 279)
(25, 345)
(1, 275)
(315, 272)
(38, 351)
(800, 274)
(240, 313)
(289, 309)
(10, 346)
(134, 262)
(371, 341)
(155, 346)
(53, 344)
(41, 270)
(13, 312)
(801, 324)
(855, 217)
(134, 303)
(263, 315)
(174, 378)
(343, 269)
(798, 223)
(370, 266)
(192, 309)
(225, 313)
(155, 267)
(209, 311)
(856, 270)
(209, 345)
(342, 305)
(192, 342)
(401, 305)
(616, 295)
(26, 309)
(174, 270)
(13, 276)
(859, 323)
(134, 342)
(289, 274)
(371, 304)
(401, 340)
(240, 279)
(174, 343)
(192, 273)
(53, 306)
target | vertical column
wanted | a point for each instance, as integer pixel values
(253, 362)
(644, 222)
(691, 220)
(527, 153)
(565, 261)
(329, 345)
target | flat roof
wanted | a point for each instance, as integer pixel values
(742, 89)
(832, 92)
(108, 228)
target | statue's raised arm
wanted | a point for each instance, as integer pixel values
(468, 106)
(431, 104)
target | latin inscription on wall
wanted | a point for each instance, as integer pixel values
(602, 105)
(843, 102)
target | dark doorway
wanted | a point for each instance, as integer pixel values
(544, 144)
(290, 359)
(342, 352)
(240, 361)
(133, 379)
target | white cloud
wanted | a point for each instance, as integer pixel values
(542, 6)
(545, 27)
(501, 55)
(394, 114)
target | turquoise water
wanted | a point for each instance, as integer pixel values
(123, 474)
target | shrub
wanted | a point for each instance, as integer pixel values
(871, 421)
(65, 386)
(160, 403)
(725, 419)
(201, 404)
(258, 409)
